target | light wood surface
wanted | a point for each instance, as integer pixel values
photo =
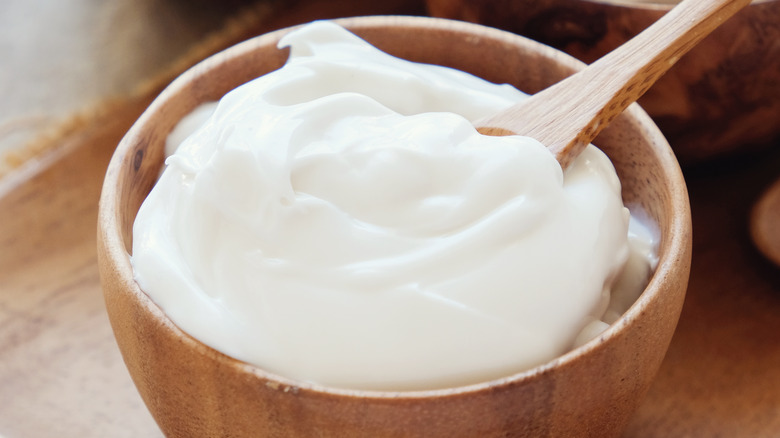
(61, 373)
(720, 376)
(569, 115)
(60, 370)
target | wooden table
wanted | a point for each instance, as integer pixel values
(721, 375)
(61, 373)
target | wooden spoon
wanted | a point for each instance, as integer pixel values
(567, 116)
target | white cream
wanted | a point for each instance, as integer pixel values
(340, 221)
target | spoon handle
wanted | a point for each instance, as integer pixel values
(567, 116)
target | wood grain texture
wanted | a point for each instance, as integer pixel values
(60, 369)
(567, 116)
(722, 98)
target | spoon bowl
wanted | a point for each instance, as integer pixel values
(193, 390)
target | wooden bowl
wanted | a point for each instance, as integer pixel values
(192, 390)
(721, 98)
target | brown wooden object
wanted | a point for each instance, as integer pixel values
(192, 390)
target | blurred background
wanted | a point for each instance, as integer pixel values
(60, 57)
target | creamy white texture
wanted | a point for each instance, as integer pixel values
(341, 221)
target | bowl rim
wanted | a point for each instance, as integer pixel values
(116, 255)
